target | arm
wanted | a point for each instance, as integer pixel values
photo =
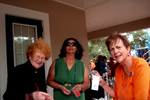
(86, 83)
(51, 80)
(108, 89)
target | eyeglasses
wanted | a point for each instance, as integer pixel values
(38, 58)
(73, 44)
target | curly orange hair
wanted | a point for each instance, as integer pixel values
(41, 45)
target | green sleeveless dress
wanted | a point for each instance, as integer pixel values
(73, 76)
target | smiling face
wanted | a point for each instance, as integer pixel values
(118, 50)
(71, 48)
(38, 59)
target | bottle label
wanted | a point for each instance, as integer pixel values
(95, 83)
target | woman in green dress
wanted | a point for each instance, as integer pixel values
(68, 73)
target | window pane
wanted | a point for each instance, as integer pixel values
(24, 57)
(25, 44)
(17, 30)
(32, 35)
(17, 38)
(24, 31)
(18, 57)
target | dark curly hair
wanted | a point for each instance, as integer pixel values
(79, 52)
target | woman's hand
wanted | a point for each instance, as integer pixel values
(78, 87)
(101, 81)
(39, 95)
(65, 91)
(49, 98)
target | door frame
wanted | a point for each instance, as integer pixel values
(9, 35)
(26, 13)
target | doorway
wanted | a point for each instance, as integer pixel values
(20, 32)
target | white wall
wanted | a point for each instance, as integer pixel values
(21, 12)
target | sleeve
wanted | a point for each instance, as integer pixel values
(42, 81)
(117, 73)
(115, 90)
(13, 91)
(141, 81)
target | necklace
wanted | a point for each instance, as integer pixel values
(68, 71)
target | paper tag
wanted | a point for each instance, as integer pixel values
(95, 83)
(77, 94)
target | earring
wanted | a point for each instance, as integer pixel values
(128, 54)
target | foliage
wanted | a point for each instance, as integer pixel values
(97, 47)
(139, 38)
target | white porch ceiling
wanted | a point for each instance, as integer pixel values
(106, 13)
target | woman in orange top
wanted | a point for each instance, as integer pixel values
(132, 76)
